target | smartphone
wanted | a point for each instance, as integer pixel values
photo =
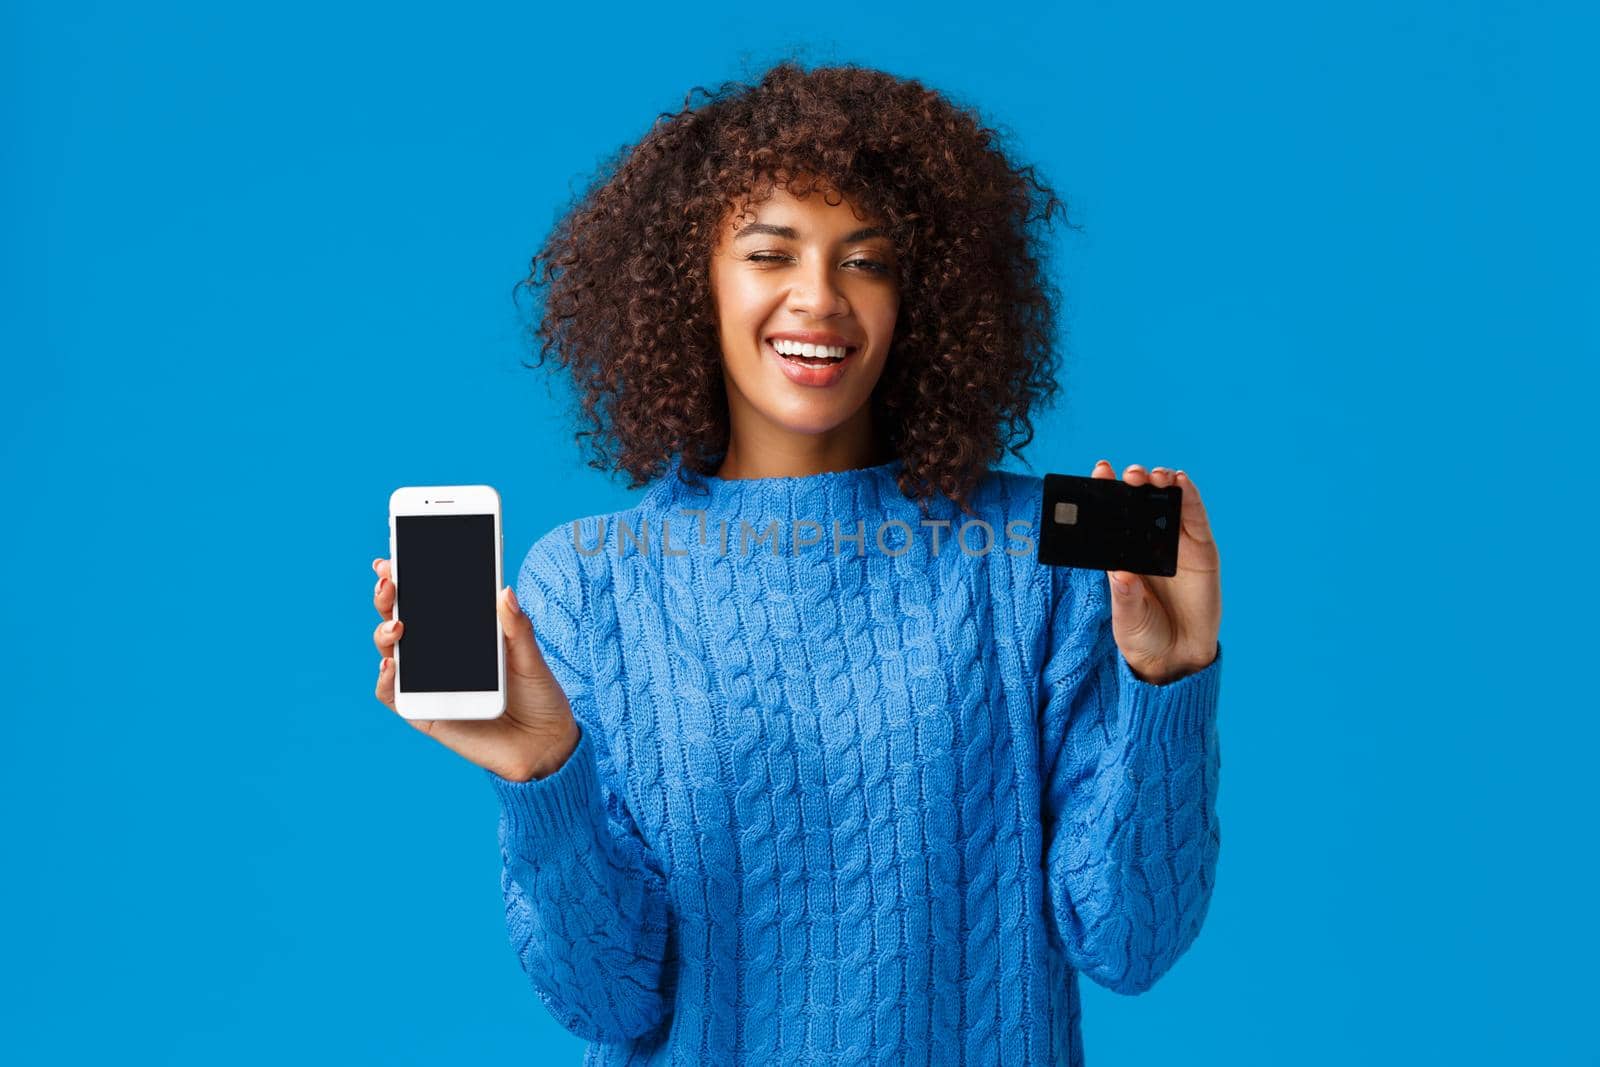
(445, 547)
(1109, 525)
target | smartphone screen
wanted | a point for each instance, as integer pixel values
(445, 594)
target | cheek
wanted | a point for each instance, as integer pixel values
(741, 310)
(877, 305)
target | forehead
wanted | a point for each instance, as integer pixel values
(823, 211)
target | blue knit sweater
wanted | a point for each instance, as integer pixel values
(874, 805)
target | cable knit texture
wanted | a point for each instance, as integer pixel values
(847, 791)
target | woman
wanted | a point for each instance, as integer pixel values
(806, 758)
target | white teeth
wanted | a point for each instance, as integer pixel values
(796, 348)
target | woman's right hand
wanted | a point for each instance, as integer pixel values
(537, 732)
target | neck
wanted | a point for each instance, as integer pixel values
(755, 454)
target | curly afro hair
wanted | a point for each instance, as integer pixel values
(623, 279)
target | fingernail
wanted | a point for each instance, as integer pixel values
(1180, 474)
(390, 627)
(1123, 588)
(375, 563)
(511, 598)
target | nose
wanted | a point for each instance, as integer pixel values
(816, 293)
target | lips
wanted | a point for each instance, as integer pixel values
(818, 375)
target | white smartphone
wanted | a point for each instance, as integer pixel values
(445, 547)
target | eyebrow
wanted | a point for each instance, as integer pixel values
(755, 228)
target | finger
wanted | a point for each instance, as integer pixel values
(384, 691)
(385, 634)
(1126, 586)
(523, 657)
(1103, 470)
(1161, 476)
(383, 597)
(1134, 474)
(1138, 622)
(1132, 608)
(1195, 522)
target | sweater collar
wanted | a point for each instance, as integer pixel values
(832, 494)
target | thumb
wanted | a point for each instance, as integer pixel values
(1135, 619)
(522, 651)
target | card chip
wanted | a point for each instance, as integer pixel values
(1066, 512)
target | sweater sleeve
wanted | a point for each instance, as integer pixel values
(585, 900)
(1130, 805)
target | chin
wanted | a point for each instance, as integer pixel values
(809, 429)
(811, 423)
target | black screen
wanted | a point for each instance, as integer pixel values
(445, 595)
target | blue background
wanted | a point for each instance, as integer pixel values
(1339, 263)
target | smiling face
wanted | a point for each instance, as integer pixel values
(803, 272)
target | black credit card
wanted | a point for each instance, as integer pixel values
(1109, 525)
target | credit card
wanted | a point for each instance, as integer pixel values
(1109, 525)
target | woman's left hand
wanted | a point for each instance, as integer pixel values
(1167, 627)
